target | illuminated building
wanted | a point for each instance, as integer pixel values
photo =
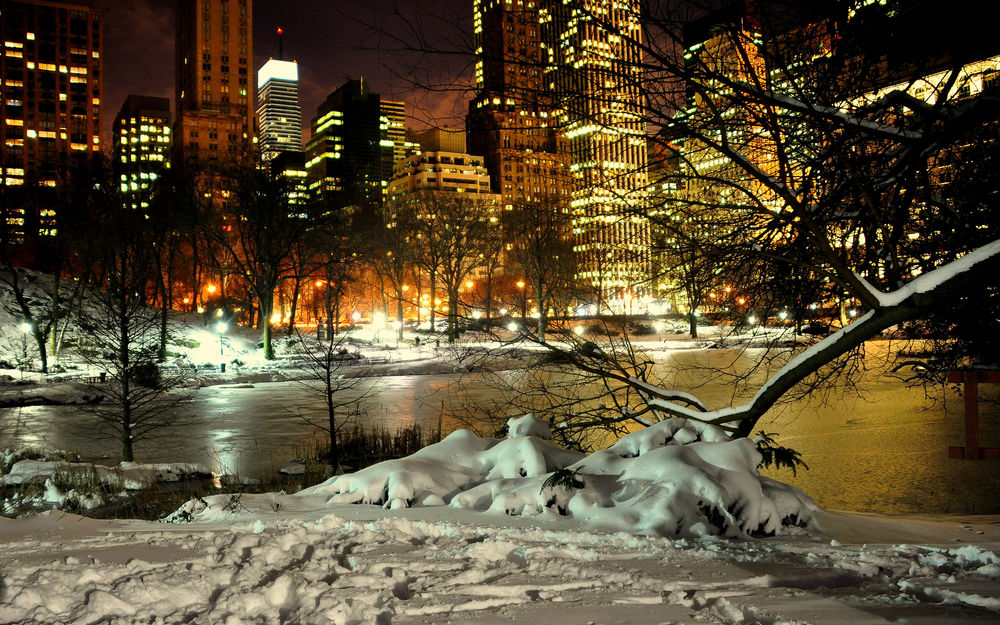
(594, 70)
(345, 158)
(290, 168)
(141, 138)
(442, 165)
(278, 111)
(392, 124)
(50, 107)
(213, 83)
(509, 120)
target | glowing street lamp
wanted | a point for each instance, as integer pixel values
(524, 299)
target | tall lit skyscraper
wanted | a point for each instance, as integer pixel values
(214, 101)
(278, 110)
(141, 138)
(344, 157)
(595, 71)
(395, 147)
(50, 109)
(510, 118)
(394, 128)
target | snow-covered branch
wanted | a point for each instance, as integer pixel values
(909, 302)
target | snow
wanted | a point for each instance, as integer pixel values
(676, 477)
(283, 559)
(672, 524)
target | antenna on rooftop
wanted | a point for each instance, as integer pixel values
(281, 44)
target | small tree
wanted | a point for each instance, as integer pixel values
(122, 329)
(257, 232)
(326, 363)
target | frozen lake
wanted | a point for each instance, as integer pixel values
(885, 450)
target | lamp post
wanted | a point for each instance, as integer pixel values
(221, 328)
(524, 300)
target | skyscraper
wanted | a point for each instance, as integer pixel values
(214, 102)
(344, 157)
(141, 138)
(510, 119)
(278, 110)
(595, 72)
(50, 112)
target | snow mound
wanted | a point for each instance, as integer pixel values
(438, 472)
(677, 477)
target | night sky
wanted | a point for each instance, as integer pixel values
(331, 40)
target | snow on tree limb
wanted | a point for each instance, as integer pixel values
(895, 307)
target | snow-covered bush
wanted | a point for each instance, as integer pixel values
(678, 477)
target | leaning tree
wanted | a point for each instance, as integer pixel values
(826, 147)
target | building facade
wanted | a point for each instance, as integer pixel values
(278, 110)
(345, 158)
(142, 141)
(50, 109)
(442, 165)
(510, 121)
(214, 52)
(594, 69)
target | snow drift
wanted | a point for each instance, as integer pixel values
(678, 477)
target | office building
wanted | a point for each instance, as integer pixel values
(441, 165)
(594, 70)
(50, 110)
(278, 110)
(141, 137)
(395, 146)
(214, 102)
(345, 158)
(510, 118)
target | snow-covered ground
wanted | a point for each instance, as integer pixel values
(282, 559)
(472, 530)
(671, 525)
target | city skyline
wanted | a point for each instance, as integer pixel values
(329, 45)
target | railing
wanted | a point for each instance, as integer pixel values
(971, 379)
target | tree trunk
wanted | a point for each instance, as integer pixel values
(541, 310)
(333, 455)
(452, 313)
(41, 340)
(399, 315)
(433, 286)
(265, 308)
(488, 309)
(295, 300)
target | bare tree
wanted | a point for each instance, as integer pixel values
(122, 328)
(257, 233)
(341, 383)
(540, 250)
(454, 229)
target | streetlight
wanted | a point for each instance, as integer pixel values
(221, 328)
(524, 299)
